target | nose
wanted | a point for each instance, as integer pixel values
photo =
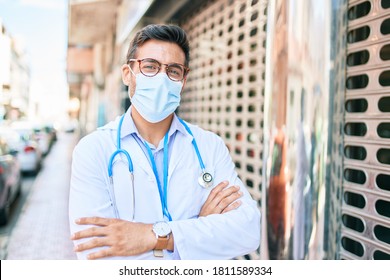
(165, 66)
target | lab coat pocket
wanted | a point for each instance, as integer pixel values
(122, 190)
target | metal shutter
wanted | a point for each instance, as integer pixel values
(365, 217)
(225, 88)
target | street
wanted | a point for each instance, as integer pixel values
(38, 227)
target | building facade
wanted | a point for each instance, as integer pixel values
(14, 78)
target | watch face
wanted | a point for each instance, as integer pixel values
(161, 228)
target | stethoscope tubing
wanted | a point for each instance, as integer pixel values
(119, 151)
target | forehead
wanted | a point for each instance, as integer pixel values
(165, 52)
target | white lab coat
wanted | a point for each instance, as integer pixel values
(217, 236)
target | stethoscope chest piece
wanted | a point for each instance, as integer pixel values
(205, 180)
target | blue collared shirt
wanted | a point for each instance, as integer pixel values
(158, 152)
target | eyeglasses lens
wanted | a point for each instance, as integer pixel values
(150, 68)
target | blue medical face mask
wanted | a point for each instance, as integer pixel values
(155, 98)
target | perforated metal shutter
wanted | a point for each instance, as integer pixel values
(225, 89)
(365, 231)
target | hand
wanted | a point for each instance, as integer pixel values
(123, 238)
(221, 200)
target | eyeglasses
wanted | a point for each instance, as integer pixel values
(151, 67)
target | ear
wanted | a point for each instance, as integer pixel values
(126, 74)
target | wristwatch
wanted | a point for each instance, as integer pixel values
(162, 230)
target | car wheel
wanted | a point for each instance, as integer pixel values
(19, 189)
(4, 215)
(37, 168)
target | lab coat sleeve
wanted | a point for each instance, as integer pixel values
(220, 236)
(88, 195)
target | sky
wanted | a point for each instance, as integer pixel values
(41, 26)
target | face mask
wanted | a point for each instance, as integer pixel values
(155, 98)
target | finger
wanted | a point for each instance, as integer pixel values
(94, 221)
(209, 207)
(89, 232)
(232, 206)
(218, 209)
(93, 243)
(226, 201)
(225, 193)
(100, 254)
(217, 190)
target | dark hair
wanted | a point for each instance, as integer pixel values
(162, 32)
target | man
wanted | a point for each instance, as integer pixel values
(149, 185)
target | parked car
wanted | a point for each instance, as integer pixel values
(44, 133)
(51, 130)
(10, 179)
(23, 141)
(43, 138)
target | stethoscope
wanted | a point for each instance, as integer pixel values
(205, 179)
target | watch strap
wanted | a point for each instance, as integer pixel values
(162, 243)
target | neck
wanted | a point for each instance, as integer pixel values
(151, 132)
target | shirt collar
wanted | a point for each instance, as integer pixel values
(128, 126)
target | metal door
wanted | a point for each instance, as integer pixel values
(365, 217)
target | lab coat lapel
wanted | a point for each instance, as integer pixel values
(137, 155)
(182, 143)
(130, 144)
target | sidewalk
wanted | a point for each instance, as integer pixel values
(42, 231)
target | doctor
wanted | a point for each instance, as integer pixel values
(151, 186)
